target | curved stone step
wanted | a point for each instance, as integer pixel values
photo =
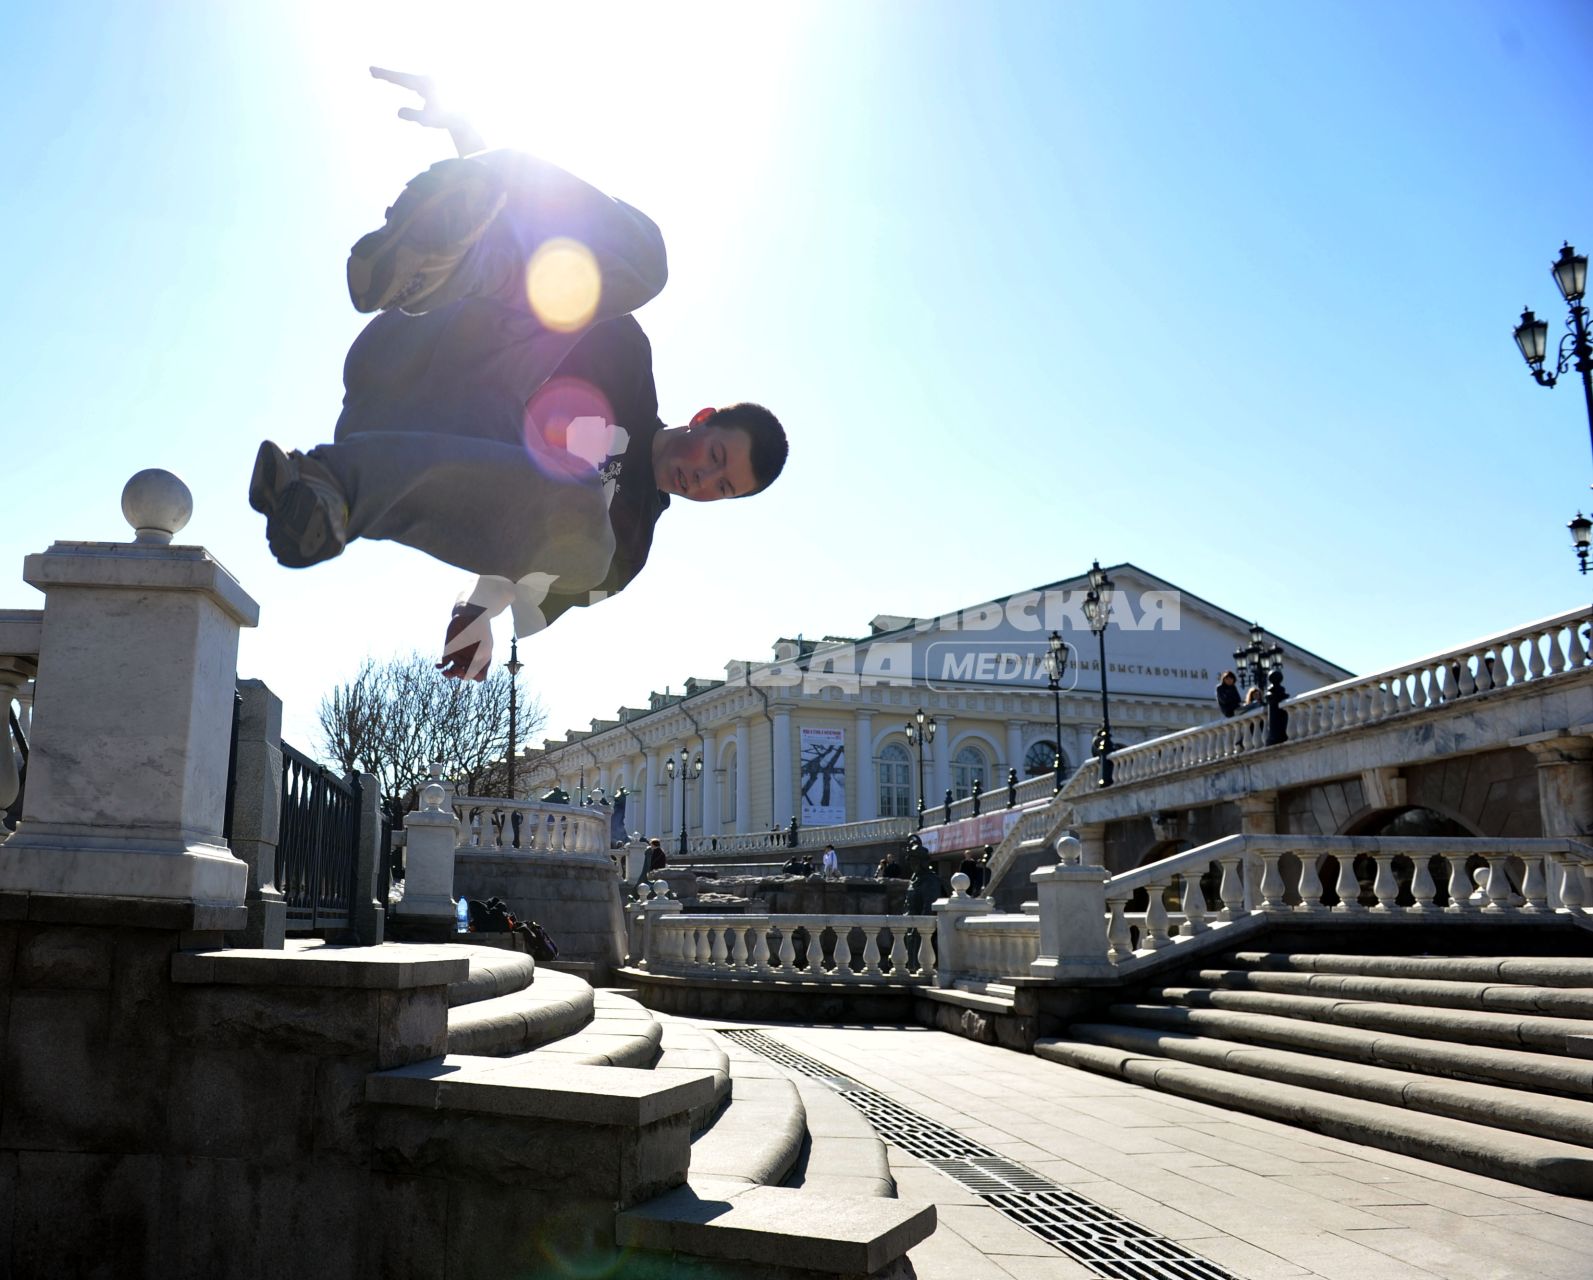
(1501, 997)
(493, 973)
(621, 1033)
(685, 1047)
(1541, 1163)
(1539, 971)
(842, 1156)
(1445, 1058)
(757, 1137)
(1521, 1110)
(555, 1006)
(1472, 1026)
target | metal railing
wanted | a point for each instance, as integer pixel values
(316, 850)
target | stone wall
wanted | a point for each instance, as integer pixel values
(574, 896)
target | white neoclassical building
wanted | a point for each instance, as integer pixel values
(819, 733)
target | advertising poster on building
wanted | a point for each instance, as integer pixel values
(823, 776)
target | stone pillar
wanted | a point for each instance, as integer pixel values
(651, 910)
(656, 778)
(1565, 783)
(713, 780)
(1258, 816)
(426, 912)
(863, 767)
(1072, 898)
(949, 915)
(781, 812)
(1091, 843)
(367, 912)
(1015, 730)
(127, 766)
(743, 778)
(257, 814)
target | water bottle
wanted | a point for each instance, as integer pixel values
(461, 916)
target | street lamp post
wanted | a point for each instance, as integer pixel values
(1098, 612)
(1056, 660)
(688, 770)
(920, 730)
(514, 666)
(1575, 352)
(1257, 660)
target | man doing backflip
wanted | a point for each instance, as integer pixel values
(500, 413)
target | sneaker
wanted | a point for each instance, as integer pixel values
(434, 222)
(305, 509)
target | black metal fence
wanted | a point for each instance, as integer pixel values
(316, 850)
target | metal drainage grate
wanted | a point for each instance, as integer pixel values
(1112, 1246)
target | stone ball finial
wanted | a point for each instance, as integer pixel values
(1068, 850)
(432, 796)
(660, 888)
(959, 885)
(157, 504)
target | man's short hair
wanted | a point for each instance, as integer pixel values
(769, 446)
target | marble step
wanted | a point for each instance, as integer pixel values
(1541, 1163)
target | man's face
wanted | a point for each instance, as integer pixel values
(704, 463)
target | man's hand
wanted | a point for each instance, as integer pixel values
(467, 648)
(431, 113)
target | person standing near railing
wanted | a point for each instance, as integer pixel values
(1228, 697)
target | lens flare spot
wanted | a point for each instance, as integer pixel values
(566, 427)
(563, 284)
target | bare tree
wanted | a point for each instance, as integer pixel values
(395, 717)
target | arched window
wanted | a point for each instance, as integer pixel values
(895, 785)
(1041, 758)
(968, 765)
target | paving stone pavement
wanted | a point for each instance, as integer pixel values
(1264, 1200)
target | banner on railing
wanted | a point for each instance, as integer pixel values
(970, 833)
(823, 776)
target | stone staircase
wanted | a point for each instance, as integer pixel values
(778, 1176)
(1481, 1063)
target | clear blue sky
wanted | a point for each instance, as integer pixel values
(1222, 289)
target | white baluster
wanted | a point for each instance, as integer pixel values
(1574, 643)
(1385, 888)
(1496, 884)
(871, 967)
(787, 965)
(1460, 885)
(1535, 667)
(898, 953)
(1272, 886)
(1534, 885)
(1194, 906)
(1572, 886)
(1422, 888)
(1118, 937)
(1232, 889)
(1155, 936)
(1468, 683)
(1349, 888)
(843, 952)
(1556, 656)
(760, 949)
(1310, 884)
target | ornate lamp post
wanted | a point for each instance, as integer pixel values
(688, 770)
(1257, 660)
(1098, 612)
(920, 730)
(1575, 352)
(1581, 535)
(1056, 661)
(514, 666)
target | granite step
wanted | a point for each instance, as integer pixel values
(621, 1033)
(757, 1137)
(842, 1155)
(685, 1047)
(1561, 1168)
(1471, 1026)
(1522, 1110)
(555, 1006)
(1442, 993)
(1514, 1067)
(1540, 971)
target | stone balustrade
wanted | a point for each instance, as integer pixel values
(841, 835)
(1525, 655)
(530, 826)
(826, 949)
(997, 946)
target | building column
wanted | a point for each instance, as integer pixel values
(1565, 783)
(655, 790)
(863, 755)
(940, 772)
(708, 810)
(743, 777)
(1015, 730)
(781, 812)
